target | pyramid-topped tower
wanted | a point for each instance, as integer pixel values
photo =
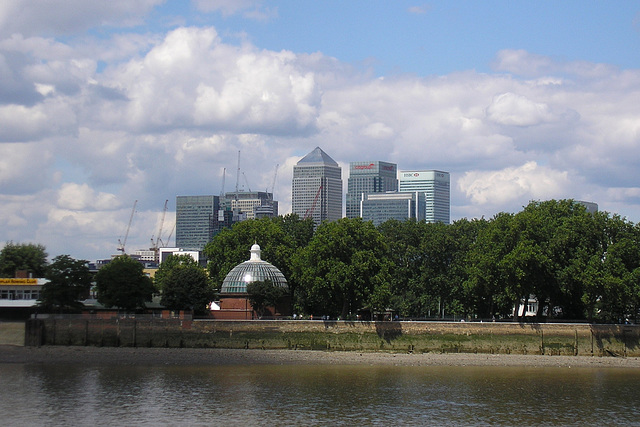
(317, 187)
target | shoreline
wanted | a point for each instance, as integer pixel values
(143, 356)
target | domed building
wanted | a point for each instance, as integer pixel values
(234, 299)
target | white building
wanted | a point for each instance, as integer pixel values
(436, 188)
(20, 293)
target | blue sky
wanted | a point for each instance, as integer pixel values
(104, 103)
(435, 37)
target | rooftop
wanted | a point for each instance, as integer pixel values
(318, 156)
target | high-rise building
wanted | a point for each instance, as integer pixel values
(254, 204)
(435, 186)
(196, 218)
(317, 187)
(381, 207)
(367, 178)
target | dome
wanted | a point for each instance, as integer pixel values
(253, 270)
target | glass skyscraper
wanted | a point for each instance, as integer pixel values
(367, 178)
(435, 186)
(317, 187)
(195, 220)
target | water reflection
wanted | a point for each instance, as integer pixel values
(303, 395)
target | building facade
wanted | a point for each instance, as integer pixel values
(317, 188)
(381, 207)
(436, 188)
(196, 217)
(254, 204)
(367, 178)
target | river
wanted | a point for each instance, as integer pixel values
(47, 394)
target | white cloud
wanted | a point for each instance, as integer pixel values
(24, 168)
(69, 16)
(525, 63)
(81, 197)
(528, 181)
(20, 123)
(191, 79)
(516, 110)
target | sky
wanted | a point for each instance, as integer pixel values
(103, 104)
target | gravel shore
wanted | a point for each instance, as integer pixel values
(195, 356)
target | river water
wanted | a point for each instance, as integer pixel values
(316, 395)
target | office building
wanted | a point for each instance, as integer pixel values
(367, 178)
(590, 206)
(381, 207)
(317, 187)
(435, 186)
(254, 204)
(196, 221)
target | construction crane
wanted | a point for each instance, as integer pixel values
(246, 181)
(273, 185)
(122, 243)
(171, 234)
(236, 210)
(309, 212)
(158, 242)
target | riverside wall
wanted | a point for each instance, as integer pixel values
(419, 337)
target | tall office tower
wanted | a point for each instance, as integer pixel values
(317, 187)
(435, 186)
(196, 218)
(367, 178)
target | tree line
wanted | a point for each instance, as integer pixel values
(577, 265)
(181, 282)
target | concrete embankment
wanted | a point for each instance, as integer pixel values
(416, 337)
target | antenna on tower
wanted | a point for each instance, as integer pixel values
(224, 177)
(273, 184)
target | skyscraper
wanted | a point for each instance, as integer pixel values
(367, 178)
(317, 187)
(435, 186)
(195, 220)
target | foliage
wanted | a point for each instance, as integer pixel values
(263, 294)
(577, 265)
(172, 262)
(344, 268)
(23, 256)
(122, 283)
(279, 239)
(185, 285)
(69, 281)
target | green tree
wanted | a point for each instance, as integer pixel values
(263, 294)
(122, 283)
(279, 238)
(620, 285)
(171, 262)
(344, 268)
(184, 284)
(69, 280)
(23, 256)
(485, 290)
(403, 239)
